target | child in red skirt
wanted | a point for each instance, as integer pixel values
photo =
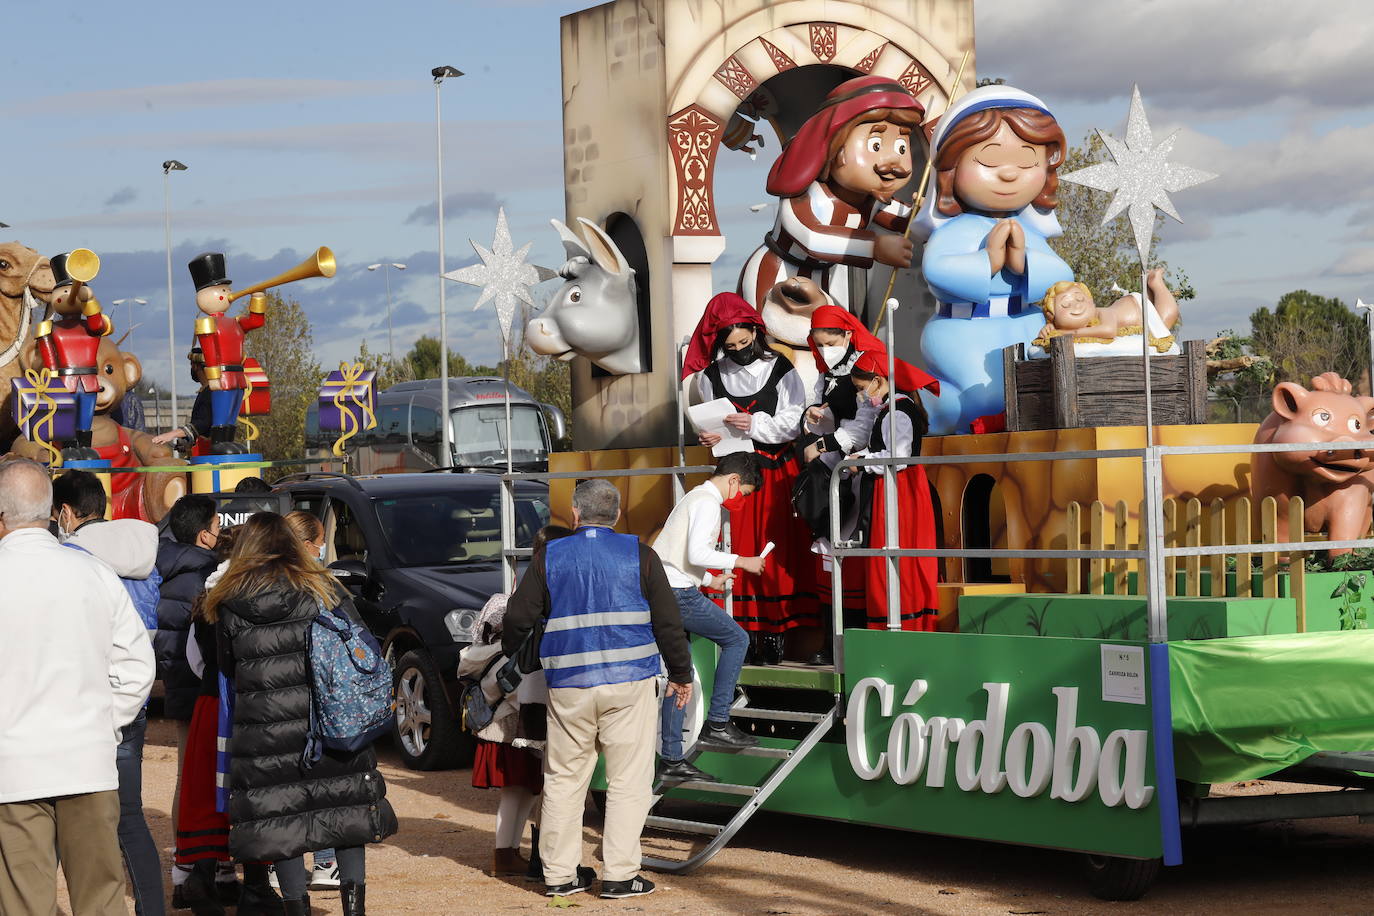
(509, 751)
(202, 827)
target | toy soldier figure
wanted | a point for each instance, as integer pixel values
(68, 347)
(221, 339)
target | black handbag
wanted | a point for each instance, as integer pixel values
(811, 498)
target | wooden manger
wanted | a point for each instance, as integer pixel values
(1063, 392)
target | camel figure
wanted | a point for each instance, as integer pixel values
(26, 281)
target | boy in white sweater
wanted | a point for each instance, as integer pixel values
(687, 547)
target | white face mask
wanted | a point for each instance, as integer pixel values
(833, 356)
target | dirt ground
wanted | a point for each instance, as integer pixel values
(789, 866)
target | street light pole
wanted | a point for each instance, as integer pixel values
(130, 311)
(390, 344)
(439, 74)
(168, 167)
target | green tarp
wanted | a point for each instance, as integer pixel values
(1250, 706)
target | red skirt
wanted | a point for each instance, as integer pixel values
(202, 832)
(918, 575)
(784, 596)
(499, 766)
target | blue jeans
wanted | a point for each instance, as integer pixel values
(702, 617)
(135, 842)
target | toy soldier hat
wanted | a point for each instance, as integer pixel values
(207, 270)
(59, 270)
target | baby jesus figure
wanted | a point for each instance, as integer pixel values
(1069, 309)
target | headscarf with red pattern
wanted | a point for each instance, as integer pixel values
(874, 358)
(724, 310)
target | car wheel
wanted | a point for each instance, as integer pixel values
(426, 732)
(1115, 878)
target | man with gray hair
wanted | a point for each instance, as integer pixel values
(75, 668)
(610, 613)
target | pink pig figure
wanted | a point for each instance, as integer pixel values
(1335, 486)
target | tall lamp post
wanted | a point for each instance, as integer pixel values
(440, 74)
(130, 310)
(390, 345)
(168, 167)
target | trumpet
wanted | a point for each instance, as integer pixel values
(82, 266)
(320, 264)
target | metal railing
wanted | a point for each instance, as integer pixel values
(1153, 552)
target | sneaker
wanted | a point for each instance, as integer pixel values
(675, 771)
(637, 886)
(725, 735)
(179, 898)
(324, 876)
(584, 880)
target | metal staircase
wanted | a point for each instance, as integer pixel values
(755, 795)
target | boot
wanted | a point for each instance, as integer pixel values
(297, 907)
(222, 439)
(199, 890)
(535, 873)
(507, 862)
(353, 895)
(259, 900)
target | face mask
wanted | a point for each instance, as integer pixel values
(734, 503)
(833, 356)
(742, 357)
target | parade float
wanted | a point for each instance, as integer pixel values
(67, 378)
(1125, 616)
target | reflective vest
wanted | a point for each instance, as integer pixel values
(598, 630)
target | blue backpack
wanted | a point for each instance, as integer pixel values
(144, 593)
(352, 701)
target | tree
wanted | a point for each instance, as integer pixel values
(424, 361)
(285, 348)
(1102, 256)
(1306, 335)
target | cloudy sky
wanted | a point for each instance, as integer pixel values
(312, 123)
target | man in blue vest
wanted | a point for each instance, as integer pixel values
(610, 612)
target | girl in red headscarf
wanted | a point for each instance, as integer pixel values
(841, 422)
(898, 427)
(730, 355)
(838, 176)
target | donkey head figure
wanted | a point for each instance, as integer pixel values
(594, 313)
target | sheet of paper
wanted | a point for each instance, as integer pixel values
(710, 418)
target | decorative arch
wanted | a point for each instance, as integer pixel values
(729, 70)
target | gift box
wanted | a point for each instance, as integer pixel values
(44, 410)
(257, 400)
(348, 390)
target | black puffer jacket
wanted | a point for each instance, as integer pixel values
(278, 809)
(184, 568)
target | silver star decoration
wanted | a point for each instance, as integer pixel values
(503, 274)
(1140, 174)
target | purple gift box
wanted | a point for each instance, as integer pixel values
(355, 389)
(50, 413)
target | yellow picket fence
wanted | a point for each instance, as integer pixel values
(1187, 524)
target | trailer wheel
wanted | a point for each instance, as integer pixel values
(1115, 878)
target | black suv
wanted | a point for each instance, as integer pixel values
(421, 554)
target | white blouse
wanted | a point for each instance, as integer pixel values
(742, 381)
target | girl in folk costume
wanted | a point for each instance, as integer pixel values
(988, 212)
(509, 754)
(842, 420)
(837, 177)
(897, 431)
(769, 397)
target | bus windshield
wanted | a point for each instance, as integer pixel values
(479, 435)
